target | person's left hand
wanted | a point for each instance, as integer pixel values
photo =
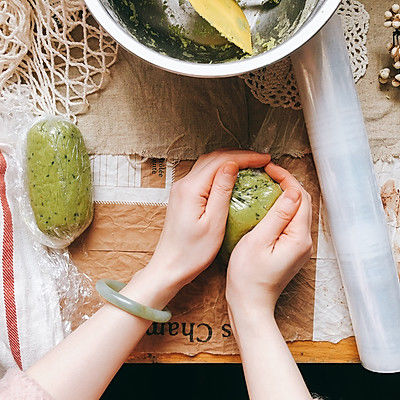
(197, 211)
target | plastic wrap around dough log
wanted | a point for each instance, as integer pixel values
(59, 182)
(253, 195)
(350, 193)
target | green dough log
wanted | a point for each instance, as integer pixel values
(59, 179)
(252, 197)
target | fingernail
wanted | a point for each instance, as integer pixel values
(292, 194)
(230, 168)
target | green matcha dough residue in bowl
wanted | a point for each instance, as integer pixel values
(59, 179)
(253, 195)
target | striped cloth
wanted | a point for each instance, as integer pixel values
(30, 321)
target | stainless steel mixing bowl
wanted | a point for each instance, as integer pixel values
(170, 35)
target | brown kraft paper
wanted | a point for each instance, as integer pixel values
(122, 239)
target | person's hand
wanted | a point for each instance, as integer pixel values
(267, 258)
(197, 211)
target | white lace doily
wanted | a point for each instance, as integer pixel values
(276, 85)
(57, 50)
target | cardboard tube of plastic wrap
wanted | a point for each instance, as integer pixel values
(350, 193)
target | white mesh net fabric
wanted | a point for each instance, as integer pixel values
(56, 49)
(276, 85)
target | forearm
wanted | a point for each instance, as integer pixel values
(270, 370)
(83, 364)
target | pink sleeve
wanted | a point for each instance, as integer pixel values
(17, 385)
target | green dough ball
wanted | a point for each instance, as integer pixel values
(252, 197)
(59, 178)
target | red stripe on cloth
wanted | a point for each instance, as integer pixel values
(8, 268)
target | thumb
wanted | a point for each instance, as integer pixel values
(281, 213)
(221, 191)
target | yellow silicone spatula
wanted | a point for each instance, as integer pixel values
(228, 18)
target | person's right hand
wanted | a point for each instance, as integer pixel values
(267, 258)
(197, 211)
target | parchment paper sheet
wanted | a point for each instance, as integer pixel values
(123, 236)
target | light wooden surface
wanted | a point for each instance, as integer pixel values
(303, 352)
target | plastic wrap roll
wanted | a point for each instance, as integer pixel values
(350, 193)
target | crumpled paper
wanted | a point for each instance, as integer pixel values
(124, 234)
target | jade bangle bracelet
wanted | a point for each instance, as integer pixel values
(109, 290)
